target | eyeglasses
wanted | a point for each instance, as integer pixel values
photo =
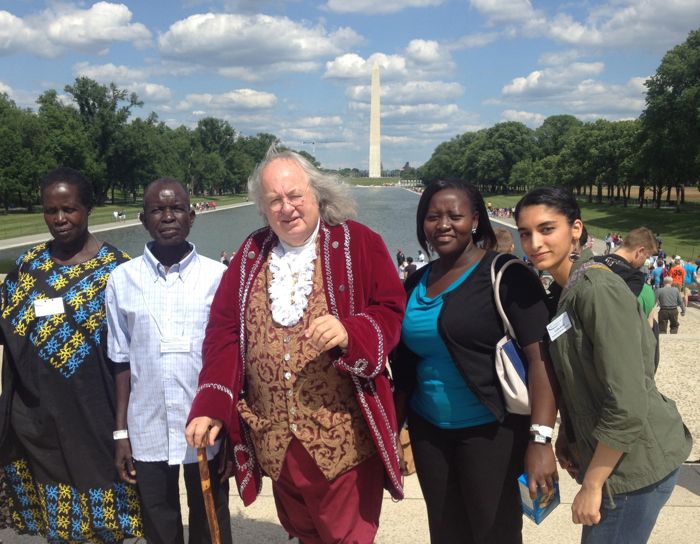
(294, 200)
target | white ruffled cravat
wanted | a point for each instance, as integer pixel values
(292, 280)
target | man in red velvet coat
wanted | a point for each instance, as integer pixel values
(295, 354)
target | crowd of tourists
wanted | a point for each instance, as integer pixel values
(301, 357)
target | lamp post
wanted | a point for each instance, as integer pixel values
(313, 147)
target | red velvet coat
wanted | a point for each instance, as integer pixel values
(362, 290)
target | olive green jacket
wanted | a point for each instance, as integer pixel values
(605, 367)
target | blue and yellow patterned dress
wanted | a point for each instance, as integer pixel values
(57, 405)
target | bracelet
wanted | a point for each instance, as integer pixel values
(541, 429)
(539, 439)
(120, 435)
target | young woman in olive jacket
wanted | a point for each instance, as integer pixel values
(622, 439)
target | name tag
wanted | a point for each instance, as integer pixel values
(175, 345)
(49, 306)
(559, 326)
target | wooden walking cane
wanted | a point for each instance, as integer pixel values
(207, 492)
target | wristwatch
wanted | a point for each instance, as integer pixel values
(539, 439)
(541, 434)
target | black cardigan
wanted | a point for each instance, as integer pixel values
(470, 327)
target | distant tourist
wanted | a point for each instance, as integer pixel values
(669, 299)
(504, 240)
(410, 267)
(400, 257)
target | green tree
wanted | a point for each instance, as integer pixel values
(554, 132)
(671, 119)
(23, 157)
(104, 112)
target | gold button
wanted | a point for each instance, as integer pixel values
(293, 411)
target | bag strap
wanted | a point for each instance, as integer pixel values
(496, 283)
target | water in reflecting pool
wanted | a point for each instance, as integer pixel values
(390, 211)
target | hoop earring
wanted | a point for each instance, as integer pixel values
(575, 252)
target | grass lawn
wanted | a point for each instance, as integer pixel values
(19, 223)
(680, 232)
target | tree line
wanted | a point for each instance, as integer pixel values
(659, 152)
(93, 132)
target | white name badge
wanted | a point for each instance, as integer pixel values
(49, 306)
(559, 326)
(175, 345)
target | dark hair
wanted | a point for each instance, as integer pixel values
(484, 230)
(558, 198)
(69, 176)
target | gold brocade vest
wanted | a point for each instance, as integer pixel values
(295, 391)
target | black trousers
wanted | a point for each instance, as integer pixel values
(469, 479)
(666, 315)
(158, 485)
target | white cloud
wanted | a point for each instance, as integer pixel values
(245, 45)
(576, 92)
(371, 7)
(411, 92)
(528, 118)
(109, 72)
(4, 88)
(62, 26)
(472, 41)
(239, 99)
(615, 23)
(421, 58)
(504, 11)
(429, 56)
(551, 81)
(151, 92)
(558, 58)
(123, 76)
(352, 66)
(247, 74)
(319, 121)
(427, 112)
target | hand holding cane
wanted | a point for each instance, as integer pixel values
(207, 491)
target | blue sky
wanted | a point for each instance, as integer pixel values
(301, 69)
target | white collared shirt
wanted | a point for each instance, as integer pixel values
(147, 308)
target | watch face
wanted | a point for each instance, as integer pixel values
(540, 439)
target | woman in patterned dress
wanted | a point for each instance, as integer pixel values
(57, 403)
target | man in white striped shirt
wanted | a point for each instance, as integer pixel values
(157, 312)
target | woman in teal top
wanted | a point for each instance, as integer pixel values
(468, 450)
(441, 395)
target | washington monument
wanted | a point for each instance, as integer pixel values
(375, 161)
